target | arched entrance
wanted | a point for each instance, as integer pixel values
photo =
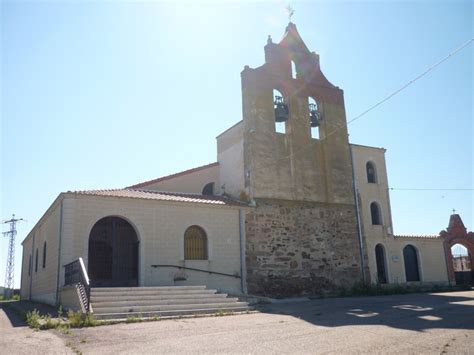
(462, 264)
(454, 235)
(410, 257)
(380, 261)
(113, 253)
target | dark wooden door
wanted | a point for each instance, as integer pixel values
(411, 263)
(380, 261)
(113, 253)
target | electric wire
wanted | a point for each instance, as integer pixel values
(423, 189)
(418, 77)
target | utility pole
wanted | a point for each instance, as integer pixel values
(10, 270)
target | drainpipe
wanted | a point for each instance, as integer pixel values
(359, 230)
(243, 271)
(32, 263)
(60, 228)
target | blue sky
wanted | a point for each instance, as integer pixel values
(106, 94)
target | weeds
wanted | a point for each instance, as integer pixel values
(60, 311)
(222, 313)
(79, 320)
(133, 319)
(33, 319)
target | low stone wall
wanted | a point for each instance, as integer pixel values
(297, 248)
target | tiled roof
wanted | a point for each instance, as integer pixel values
(417, 236)
(185, 172)
(163, 196)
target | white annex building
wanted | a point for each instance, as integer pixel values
(290, 207)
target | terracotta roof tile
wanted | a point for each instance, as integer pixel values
(163, 196)
(185, 172)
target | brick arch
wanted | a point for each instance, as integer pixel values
(456, 234)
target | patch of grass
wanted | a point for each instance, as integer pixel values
(79, 320)
(134, 319)
(222, 313)
(12, 298)
(73, 348)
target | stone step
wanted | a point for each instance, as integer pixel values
(150, 302)
(170, 313)
(170, 307)
(133, 298)
(146, 288)
(150, 292)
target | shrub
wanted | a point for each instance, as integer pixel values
(33, 319)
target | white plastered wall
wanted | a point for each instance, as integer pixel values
(38, 283)
(230, 155)
(160, 227)
(192, 182)
(431, 259)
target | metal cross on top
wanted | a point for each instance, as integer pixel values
(290, 11)
(454, 211)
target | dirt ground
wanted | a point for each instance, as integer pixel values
(417, 323)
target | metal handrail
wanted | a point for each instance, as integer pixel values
(76, 275)
(237, 276)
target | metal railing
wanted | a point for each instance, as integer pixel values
(236, 275)
(75, 274)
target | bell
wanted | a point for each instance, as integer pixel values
(281, 112)
(314, 118)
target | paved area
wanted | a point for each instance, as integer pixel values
(418, 323)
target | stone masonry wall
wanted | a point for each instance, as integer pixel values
(298, 248)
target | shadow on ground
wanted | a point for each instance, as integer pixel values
(417, 312)
(16, 311)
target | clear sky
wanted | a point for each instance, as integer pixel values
(107, 94)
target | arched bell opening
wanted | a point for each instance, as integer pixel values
(314, 117)
(113, 254)
(281, 111)
(293, 70)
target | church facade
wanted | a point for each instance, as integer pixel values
(290, 207)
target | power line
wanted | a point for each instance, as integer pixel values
(423, 189)
(461, 47)
(418, 77)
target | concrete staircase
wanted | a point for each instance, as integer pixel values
(146, 302)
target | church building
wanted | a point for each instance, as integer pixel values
(290, 207)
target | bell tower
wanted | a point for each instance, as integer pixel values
(295, 138)
(301, 237)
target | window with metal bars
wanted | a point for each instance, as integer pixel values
(195, 244)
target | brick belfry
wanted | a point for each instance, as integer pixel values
(302, 236)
